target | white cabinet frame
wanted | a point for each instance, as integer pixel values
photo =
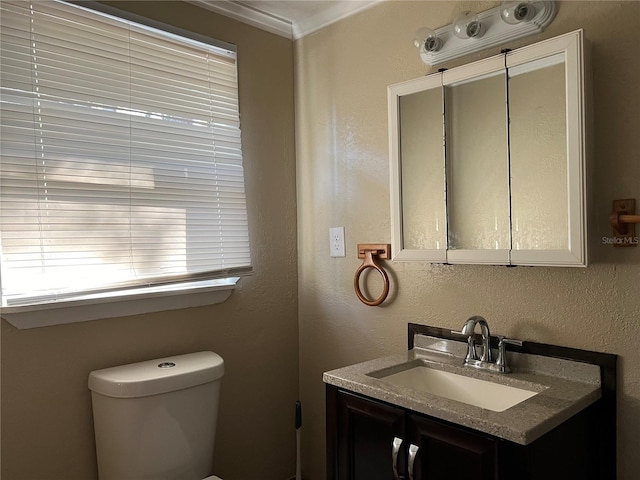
(569, 45)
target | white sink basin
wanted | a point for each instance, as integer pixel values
(472, 391)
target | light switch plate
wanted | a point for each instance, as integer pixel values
(336, 242)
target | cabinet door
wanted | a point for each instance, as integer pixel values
(477, 163)
(449, 453)
(548, 152)
(418, 185)
(366, 430)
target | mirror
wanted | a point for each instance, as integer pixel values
(513, 159)
(539, 155)
(477, 164)
(423, 176)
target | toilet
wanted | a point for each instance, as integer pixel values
(156, 420)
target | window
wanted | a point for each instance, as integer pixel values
(121, 163)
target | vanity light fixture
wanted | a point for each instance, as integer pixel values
(471, 32)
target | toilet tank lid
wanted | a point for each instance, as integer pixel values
(153, 377)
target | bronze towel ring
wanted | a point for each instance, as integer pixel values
(368, 252)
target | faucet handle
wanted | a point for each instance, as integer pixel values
(510, 341)
(457, 332)
(501, 361)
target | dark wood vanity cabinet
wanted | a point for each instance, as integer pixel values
(361, 433)
(365, 430)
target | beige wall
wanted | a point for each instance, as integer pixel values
(46, 412)
(342, 169)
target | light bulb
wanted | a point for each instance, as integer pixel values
(515, 12)
(466, 25)
(427, 39)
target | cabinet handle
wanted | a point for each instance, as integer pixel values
(413, 451)
(397, 442)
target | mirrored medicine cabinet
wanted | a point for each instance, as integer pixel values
(488, 160)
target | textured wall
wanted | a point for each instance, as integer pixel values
(342, 168)
(47, 431)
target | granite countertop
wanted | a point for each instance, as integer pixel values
(565, 388)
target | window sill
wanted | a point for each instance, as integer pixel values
(123, 304)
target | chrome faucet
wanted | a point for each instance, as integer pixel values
(485, 361)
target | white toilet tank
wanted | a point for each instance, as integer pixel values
(156, 420)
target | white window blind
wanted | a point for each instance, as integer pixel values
(120, 160)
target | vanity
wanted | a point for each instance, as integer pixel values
(428, 414)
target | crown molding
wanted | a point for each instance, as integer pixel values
(338, 11)
(284, 27)
(250, 16)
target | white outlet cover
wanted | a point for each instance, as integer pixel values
(336, 242)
